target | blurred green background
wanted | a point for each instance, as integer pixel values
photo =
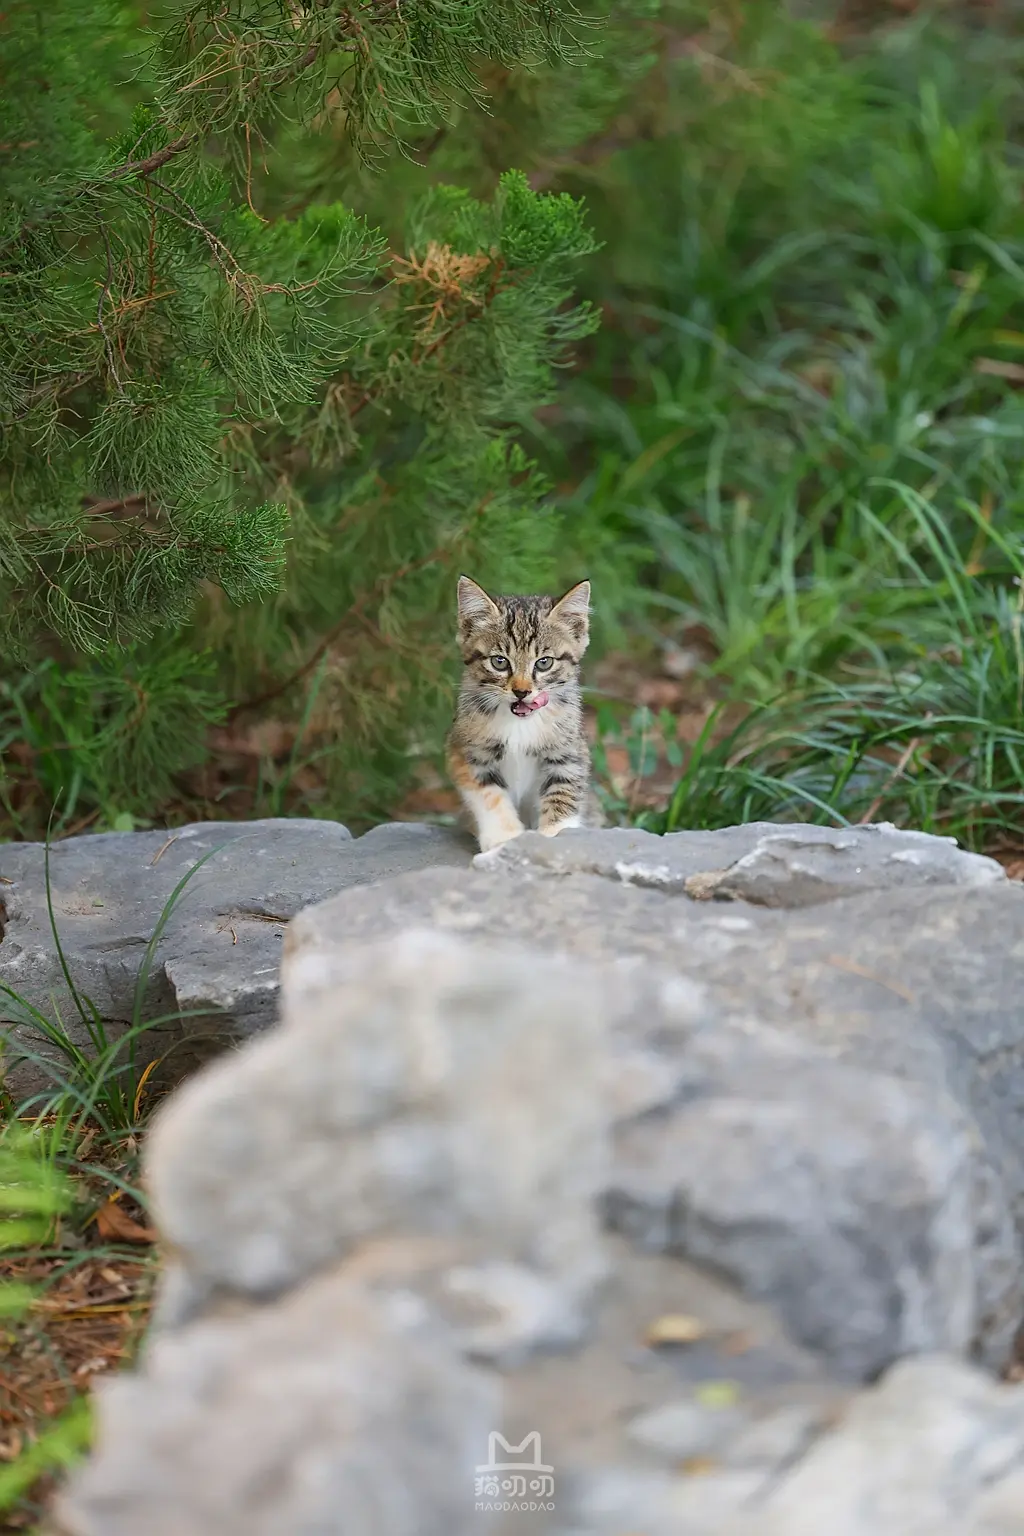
(789, 458)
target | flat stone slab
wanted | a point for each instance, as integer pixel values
(769, 865)
(219, 953)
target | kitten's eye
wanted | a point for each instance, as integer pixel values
(544, 664)
(500, 663)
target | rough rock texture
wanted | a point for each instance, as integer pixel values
(842, 1130)
(790, 866)
(218, 957)
(935, 1449)
(383, 1110)
(669, 1144)
(337, 1410)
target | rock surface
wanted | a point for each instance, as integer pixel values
(217, 959)
(357, 1413)
(839, 1129)
(668, 1145)
(773, 866)
(935, 1450)
(382, 1110)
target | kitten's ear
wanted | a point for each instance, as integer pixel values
(474, 604)
(574, 608)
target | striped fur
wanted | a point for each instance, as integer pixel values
(517, 765)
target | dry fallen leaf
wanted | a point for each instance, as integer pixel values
(116, 1225)
(675, 1328)
(698, 1466)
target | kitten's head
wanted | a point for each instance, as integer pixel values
(522, 652)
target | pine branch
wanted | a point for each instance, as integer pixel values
(153, 162)
(179, 365)
(440, 555)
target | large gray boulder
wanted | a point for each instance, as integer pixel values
(381, 1110)
(840, 1132)
(672, 1144)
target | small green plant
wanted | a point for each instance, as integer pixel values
(106, 737)
(68, 1152)
(101, 1080)
(34, 1195)
(33, 1192)
(649, 741)
(61, 1444)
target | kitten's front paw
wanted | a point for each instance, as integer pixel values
(553, 828)
(498, 840)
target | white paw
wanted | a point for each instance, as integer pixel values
(559, 826)
(498, 840)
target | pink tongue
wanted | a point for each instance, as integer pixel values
(521, 707)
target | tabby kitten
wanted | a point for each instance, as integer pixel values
(516, 752)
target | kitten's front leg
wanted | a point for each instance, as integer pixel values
(563, 792)
(490, 804)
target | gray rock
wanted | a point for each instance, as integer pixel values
(867, 1055)
(772, 866)
(342, 1409)
(777, 1438)
(217, 959)
(686, 1428)
(784, 1065)
(623, 1500)
(934, 1450)
(840, 1196)
(423, 1088)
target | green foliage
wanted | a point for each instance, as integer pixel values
(32, 1193)
(212, 391)
(62, 1443)
(108, 733)
(804, 415)
(144, 309)
(935, 743)
(303, 416)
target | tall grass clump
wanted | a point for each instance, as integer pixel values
(803, 414)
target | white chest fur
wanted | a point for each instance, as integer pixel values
(522, 765)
